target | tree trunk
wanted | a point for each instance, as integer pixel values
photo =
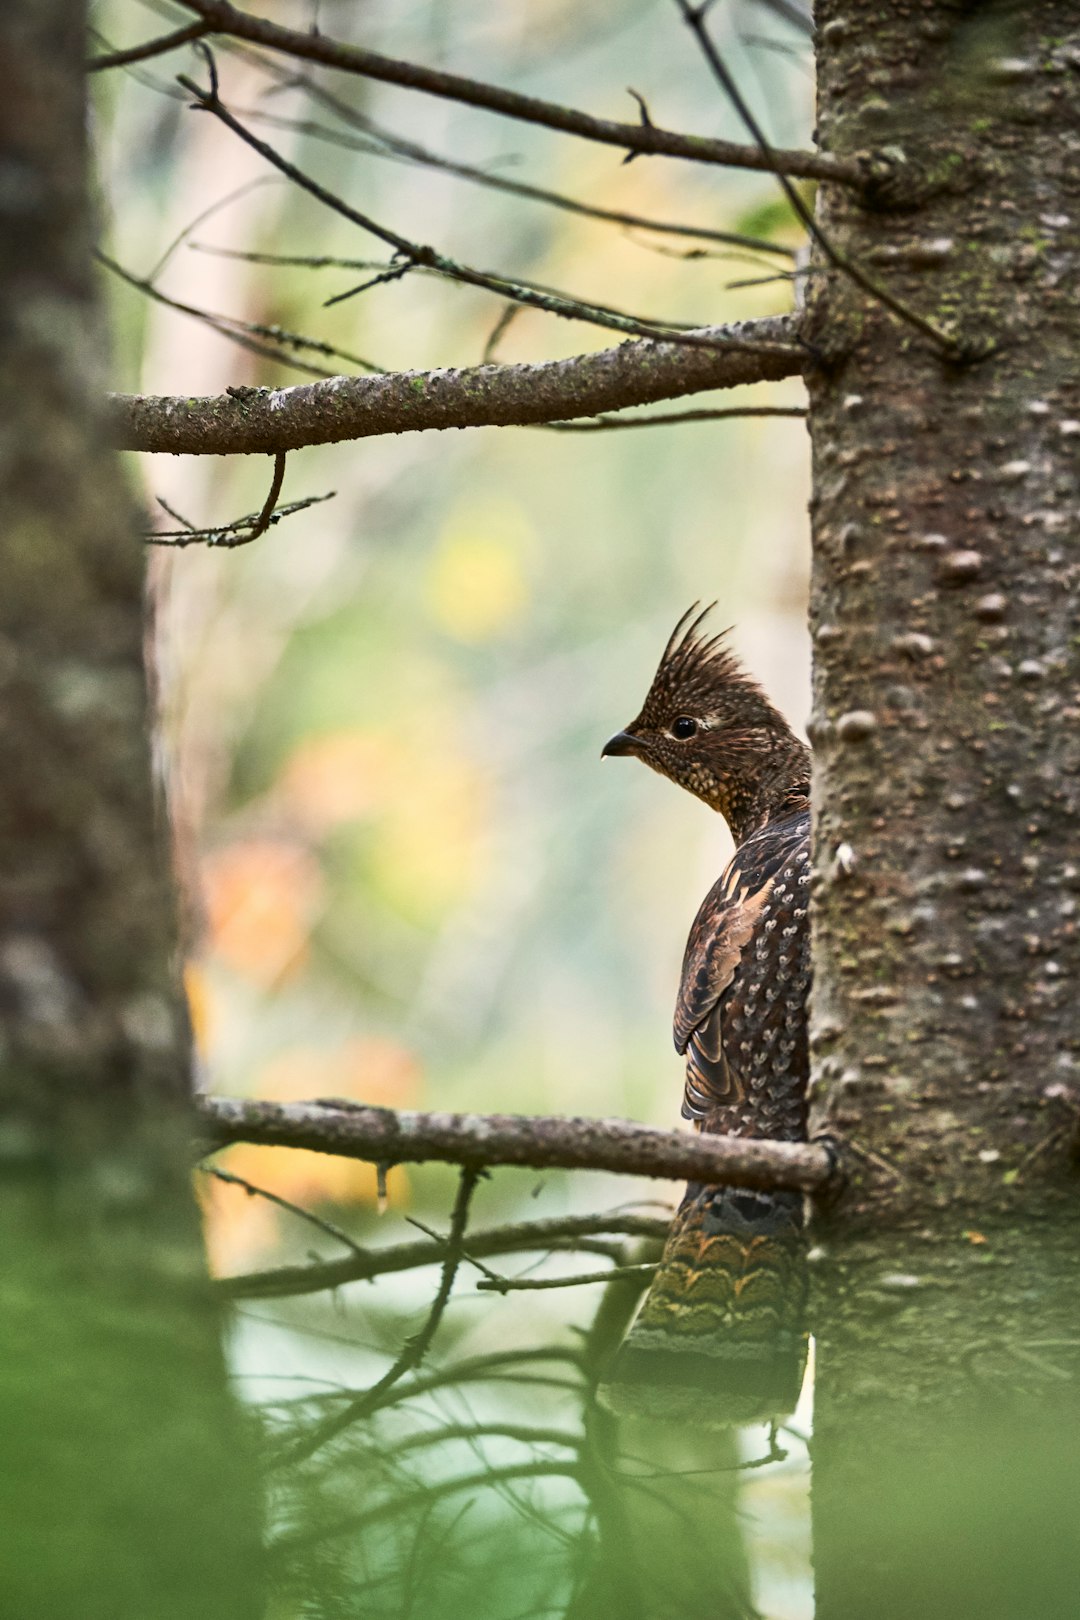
(125, 1489)
(946, 1027)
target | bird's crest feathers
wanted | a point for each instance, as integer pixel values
(695, 665)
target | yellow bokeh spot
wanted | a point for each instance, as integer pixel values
(427, 850)
(476, 583)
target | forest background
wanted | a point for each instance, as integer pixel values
(408, 879)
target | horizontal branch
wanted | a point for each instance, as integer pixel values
(364, 1265)
(645, 137)
(390, 1136)
(265, 421)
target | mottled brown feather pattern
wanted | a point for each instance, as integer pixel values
(725, 1311)
(745, 1040)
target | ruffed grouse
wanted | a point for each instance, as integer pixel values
(725, 1313)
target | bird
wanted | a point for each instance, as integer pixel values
(725, 1314)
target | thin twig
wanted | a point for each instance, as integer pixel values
(151, 278)
(775, 1453)
(382, 142)
(290, 1543)
(150, 47)
(640, 138)
(509, 1285)
(496, 1364)
(467, 1256)
(308, 1215)
(262, 522)
(289, 261)
(694, 17)
(415, 1347)
(245, 333)
(525, 1434)
(498, 332)
(605, 424)
(227, 536)
(391, 271)
(429, 258)
(518, 1237)
(186, 525)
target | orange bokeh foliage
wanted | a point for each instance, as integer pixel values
(336, 777)
(262, 896)
(240, 1227)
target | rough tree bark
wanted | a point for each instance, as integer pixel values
(946, 1025)
(124, 1487)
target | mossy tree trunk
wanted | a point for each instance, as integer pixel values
(125, 1486)
(946, 1022)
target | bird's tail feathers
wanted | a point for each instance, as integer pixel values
(721, 1335)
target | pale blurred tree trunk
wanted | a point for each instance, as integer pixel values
(946, 1018)
(125, 1487)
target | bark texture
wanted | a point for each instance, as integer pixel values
(123, 1488)
(946, 1029)
(248, 421)
(399, 1136)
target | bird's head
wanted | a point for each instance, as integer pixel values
(709, 727)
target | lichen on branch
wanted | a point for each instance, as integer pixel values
(390, 1136)
(267, 421)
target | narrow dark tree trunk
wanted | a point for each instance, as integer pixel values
(124, 1486)
(946, 1022)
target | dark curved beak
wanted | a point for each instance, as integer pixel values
(623, 742)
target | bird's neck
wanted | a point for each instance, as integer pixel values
(752, 793)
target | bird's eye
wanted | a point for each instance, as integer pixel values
(683, 727)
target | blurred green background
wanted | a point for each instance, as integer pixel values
(408, 878)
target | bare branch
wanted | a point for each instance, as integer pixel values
(238, 532)
(288, 1543)
(149, 48)
(607, 424)
(262, 522)
(415, 1347)
(694, 17)
(494, 1366)
(642, 138)
(381, 142)
(525, 1434)
(422, 256)
(245, 333)
(391, 1136)
(182, 235)
(792, 14)
(308, 1215)
(509, 1285)
(518, 1237)
(264, 421)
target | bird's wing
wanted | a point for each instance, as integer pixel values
(744, 979)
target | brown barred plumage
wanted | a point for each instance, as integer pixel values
(725, 1313)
